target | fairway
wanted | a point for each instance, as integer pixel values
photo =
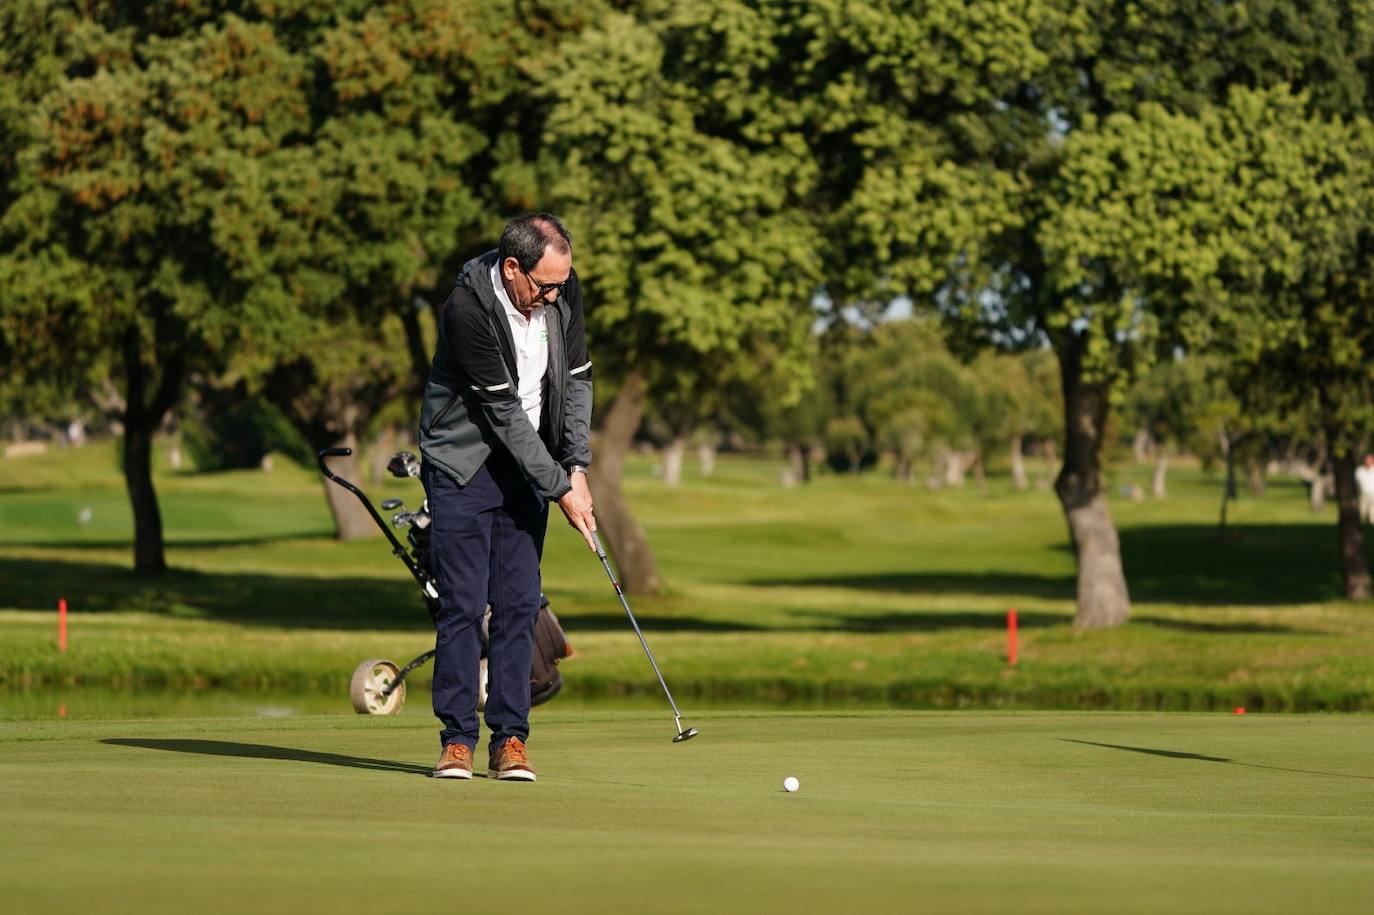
(1025, 812)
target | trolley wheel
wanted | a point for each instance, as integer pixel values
(369, 679)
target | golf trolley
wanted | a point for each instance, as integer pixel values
(378, 686)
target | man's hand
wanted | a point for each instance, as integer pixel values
(577, 506)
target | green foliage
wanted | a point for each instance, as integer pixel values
(1243, 231)
(919, 398)
(146, 217)
(1187, 403)
(239, 434)
(690, 235)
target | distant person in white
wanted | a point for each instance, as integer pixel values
(1364, 479)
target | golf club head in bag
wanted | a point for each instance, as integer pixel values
(403, 464)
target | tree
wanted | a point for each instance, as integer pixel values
(1246, 228)
(684, 209)
(384, 209)
(141, 235)
(944, 155)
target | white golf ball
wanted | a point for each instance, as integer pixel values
(790, 784)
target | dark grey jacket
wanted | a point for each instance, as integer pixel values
(472, 405)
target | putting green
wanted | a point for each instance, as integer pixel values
(1024, 812)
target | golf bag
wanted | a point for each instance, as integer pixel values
(378, 685)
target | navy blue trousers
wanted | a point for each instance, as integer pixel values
(487, 538)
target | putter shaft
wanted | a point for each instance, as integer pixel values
(606, 564)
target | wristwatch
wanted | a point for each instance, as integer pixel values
(576, 468)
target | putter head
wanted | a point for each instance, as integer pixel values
(685, 735)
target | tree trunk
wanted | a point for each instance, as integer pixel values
(672, 460)
(1051, 458)
(1141, 446)
(1354, 568)
(980, 476)
(706, 459)
(351, 519)
(149, 555)
(1316, 494)
(141, 418)
(1018, 463)
(956, 467)
(420, 354)
(621, 534)
(1161, 468)
(380, 454)
(801, 465)
(1311, 473)
(1103, 599)
(1254, 477)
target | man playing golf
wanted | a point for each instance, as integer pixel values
(505, 429)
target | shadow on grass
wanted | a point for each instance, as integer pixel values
(1263, 564)
(1258, 564)
(98, 543)
(342, 602)
(1182, 564)
(1052, 587)
(930, 622)
(263, 751)
(617, 622)
(1218, 628)
(935, 621)
(1175, 754)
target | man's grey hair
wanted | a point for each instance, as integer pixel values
(527, 237)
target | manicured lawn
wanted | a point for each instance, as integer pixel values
(845, 590)
(897, 812)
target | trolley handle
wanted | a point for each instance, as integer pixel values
(423, 580)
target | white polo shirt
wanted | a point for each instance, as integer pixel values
(531, 336)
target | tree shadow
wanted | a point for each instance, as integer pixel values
(1012, 585)
(1176, 754)
(1219, 628)
(930, 621)
(332, 602)
(300, 602)
(1261, 564)
(172, 540)
(1257, 564)
(264, 751)
(614, 622)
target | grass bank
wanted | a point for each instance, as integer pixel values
(848, 589)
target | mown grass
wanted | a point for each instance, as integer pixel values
(1041, 812)
(848, 589)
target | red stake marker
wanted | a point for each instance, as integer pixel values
(62, 625)
(1011, 636)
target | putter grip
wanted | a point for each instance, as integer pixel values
(336, 452)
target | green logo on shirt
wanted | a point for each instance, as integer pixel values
(544, 335)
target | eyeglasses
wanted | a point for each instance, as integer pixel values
(544, 288)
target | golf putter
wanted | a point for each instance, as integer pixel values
(677, 715)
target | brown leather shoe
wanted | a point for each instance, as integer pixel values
(509, 762)
(454, 762)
